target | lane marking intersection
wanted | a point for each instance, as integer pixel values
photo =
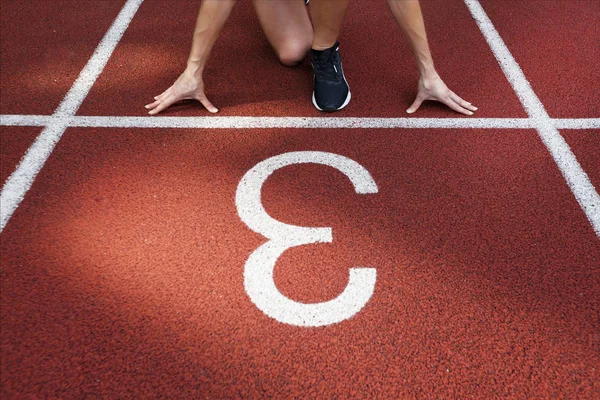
(19, 182)
(575, 176)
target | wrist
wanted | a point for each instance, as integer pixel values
(194, 67)
(427, 71)
(428, 74)
(424, 61)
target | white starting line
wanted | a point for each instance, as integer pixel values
(64, 117)
(215, 122)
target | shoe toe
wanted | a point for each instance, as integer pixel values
(331, 98)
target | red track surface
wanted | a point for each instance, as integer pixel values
(558, 53)
(15, 142)
(122, 269)
(586, 146)
(44, 46)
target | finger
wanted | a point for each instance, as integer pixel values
(456, 107)
(162, 105)
(208, 105)
(152, 105)
(158, 109)
(455, 96)
(416, 104)
(163, 94)
(461, 102)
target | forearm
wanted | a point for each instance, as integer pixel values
(211, 18)
(409, 18)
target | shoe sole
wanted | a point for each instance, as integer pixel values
(333, 109)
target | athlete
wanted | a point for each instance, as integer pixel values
(289, 31)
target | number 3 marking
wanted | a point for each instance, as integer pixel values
(258, 272)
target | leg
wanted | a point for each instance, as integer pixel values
(327, 17)
(287, 27)
(331, 91)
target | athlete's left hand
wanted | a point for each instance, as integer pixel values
(433, 88)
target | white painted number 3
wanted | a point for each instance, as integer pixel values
(258, 272)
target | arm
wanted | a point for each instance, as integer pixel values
(211, 18)
(409, 18)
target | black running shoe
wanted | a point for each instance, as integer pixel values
(331, 89)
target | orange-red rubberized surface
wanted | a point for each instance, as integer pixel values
(44, 45)
(557, 45)
(243, 76)
(14, 142)
(122, 270)
(585, 144)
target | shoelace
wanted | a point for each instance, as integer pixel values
(325, 67)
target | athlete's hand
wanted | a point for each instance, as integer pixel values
(189, 86)
(433, 88)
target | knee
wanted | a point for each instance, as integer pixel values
(293, 52)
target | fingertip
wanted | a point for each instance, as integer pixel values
(409, 111)
(210, 107)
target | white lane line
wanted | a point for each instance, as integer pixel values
(577, 123)
(291, 122)
(296, 122)
(25, 120)
(22, 178)
(576, 178)
(267, 122)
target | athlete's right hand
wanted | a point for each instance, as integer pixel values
(189, 86)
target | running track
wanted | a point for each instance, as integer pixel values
(129, 244)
